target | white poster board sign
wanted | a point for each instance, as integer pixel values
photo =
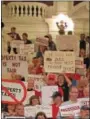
(84, 101)
(79, 62)
(42, 41)
(69, 110)
(47, 92)
(27, 49)
(17, 43)
(68, 42)
(59, 61)
(38, 81)
(14, 64)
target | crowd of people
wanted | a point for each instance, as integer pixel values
(71, 88)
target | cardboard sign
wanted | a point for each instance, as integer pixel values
(38, 81)
(79, 62)
(68, 42)
(31, 111)
(14, 64)
(42, 41)
(13, 91)
(27, 49)
(59, 62)
(47, 92)
(84, 101)
(69, 110)
(17, 43)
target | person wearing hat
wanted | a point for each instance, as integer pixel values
(84, 112)
(57, 101)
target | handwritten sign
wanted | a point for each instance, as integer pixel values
(27, 49)
(84, 101)
(14, 64)
(79, 62)
(59, 62)
(42, 41)
(31, 111)
(38, 81)
(47, 92)
(68, 42)
(69, 110)
(17, 43)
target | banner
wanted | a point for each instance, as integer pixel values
(47, 92)
(42, 41)
(27, 49)
(38, 81)
(70, 109)
(59, 62)
(68, 42)
(31, 111)
(14, 64)
(79, 62)
(13, 91)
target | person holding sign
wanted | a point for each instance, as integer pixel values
(25, 39)
(34, 100)
(19, 110)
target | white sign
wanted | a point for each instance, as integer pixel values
(46, 109)
(47, 92)
(28, 48)
(59, 61)
(31, 111)
(69, 110)
(14, 64)
(42, 41)
(68, 42)
(17, 43)
(38, 81)
(79, 62)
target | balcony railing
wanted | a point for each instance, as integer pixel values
(29, 9)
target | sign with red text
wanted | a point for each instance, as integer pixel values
(68, 42)
(14, 64)
(47, 92)
(13, 91)
(42, 41)
(70, 109)
(59, 61)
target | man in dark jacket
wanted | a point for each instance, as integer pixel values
(82, 42)
(25, 39)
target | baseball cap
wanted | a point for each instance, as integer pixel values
(56, 94)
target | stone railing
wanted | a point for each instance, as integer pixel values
(29, 9)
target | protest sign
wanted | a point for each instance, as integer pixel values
(46, 109)
(84, 101)
(27, 49)
(68, 42)
(47, 92)
(14, 64)
(42, 41)
(31, 111)
(38, 81)
(14, 117)
(70, 109)
(59, 62)
(13, 91)
(17, 43)
(79, 62)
